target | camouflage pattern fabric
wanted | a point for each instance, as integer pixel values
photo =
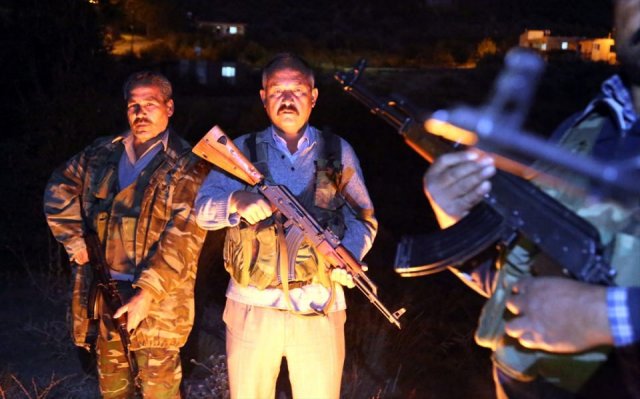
(620, 235)
(160, 372)
(167, 238)
(79, 319)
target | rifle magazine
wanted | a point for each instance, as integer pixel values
(426, 254)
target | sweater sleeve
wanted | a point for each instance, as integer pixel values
(361, 223)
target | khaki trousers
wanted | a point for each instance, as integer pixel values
(258, 338)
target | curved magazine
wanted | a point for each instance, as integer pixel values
(425, 254)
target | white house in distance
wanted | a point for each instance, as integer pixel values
(600, 49)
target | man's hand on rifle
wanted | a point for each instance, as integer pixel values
(456, 182)
(137, 309)
(559, 315)
(342, 277)
(252, 207)
(81, 257)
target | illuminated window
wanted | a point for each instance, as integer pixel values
(565, 45)
(228, 71)
(544, 46)
(233, 30)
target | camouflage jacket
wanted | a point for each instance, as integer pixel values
(167, 239)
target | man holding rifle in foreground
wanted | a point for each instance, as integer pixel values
(554, 337)
(126, 204)
(296, 311)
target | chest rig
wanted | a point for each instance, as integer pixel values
(252, 252)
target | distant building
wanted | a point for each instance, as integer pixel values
(222, 29)
(543, 41)
(601, 49)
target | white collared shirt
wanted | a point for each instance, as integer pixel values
(303, 143)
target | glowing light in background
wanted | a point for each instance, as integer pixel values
(228, 71)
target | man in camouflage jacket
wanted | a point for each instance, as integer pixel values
(136, 192)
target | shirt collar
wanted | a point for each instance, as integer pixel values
(615, 96)
(303, 143)
(131, 154)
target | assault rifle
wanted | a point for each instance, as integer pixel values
(110, 298)
(217, 148)
(514, 208)
(496, 127)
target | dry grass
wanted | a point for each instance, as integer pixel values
(69, 387)
(210, 380)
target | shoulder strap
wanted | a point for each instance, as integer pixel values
(251, 146)
(331, 149)
(258, 154)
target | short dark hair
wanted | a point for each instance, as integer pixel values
(148, 78)
(283, 61)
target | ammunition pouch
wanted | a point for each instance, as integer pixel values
(251, 258)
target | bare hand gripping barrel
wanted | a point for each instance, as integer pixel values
(218, 149)
(515, 206)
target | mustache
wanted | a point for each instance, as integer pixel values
(141, 120)
(288, 107)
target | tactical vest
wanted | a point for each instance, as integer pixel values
(251, 251)
(620, 235)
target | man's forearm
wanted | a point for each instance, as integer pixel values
(212, 203)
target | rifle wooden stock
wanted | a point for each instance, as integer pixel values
(218, 149)
(515, 207)
(110, 298)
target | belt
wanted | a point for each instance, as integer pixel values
(292, 284)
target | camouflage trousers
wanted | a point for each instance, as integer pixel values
(159, 371)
